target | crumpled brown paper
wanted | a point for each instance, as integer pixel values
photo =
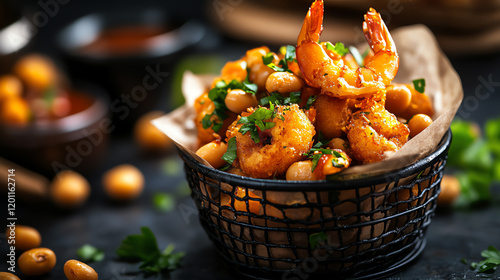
(420, 57)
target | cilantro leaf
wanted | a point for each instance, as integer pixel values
(89, 253)
(278, 99)
(338, 48)
(316, 153)
(256, 120)
(419, 85)
(317, 240)
(360, 58)
(282, 66)
(164, 202)
(143, 247)
(464, 134)
(492, 131)
(491, 262)
(310, 101)
(230, 155)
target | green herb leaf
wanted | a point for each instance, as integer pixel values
(464, 134)
(492, 131)
(164, 202)
(278, 99)
(268, 58)
(290, 53)
(283, 63)
(474, 187)
(491, 262)
(89, 253)
(316, 153)
(256, 120)
(310, 101)
(360, 58)
(419, 85)
(339, 48)
(230, 155)
(317, 240)
(143, 247)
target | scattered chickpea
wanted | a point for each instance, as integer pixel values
(37, 261)
(283, 82)
(76, 270)
(147, 136)
(8, 276)
(10, 86)
(238, 100)
(69, 189)
(338, 143)
(213, 152)
(450, 190)
(300, 171)
(27, 238)
(15, 111)
(398, 98)
(418, 123)
(124, 182)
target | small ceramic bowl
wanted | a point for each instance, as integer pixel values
(77, 141)
(130, 54)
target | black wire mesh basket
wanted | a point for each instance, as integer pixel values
(359, 228)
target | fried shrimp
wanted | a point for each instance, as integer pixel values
(333, 76)
(278, 147)
(373, 132)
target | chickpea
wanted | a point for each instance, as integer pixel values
(213, 152)
(36, 71)
(259, 74)
(8, 276)
(148, 136)
(398, 98)
(338, 143)
(300, 171)
(36, 261)
(420, 104)
(26, 238)
(10, 86)
(69, 189)
(450, 190)
(238, 100)
(76, 270)
(123, 182)
(283, 82)
(254, 56)
(418, 123)
(234, 70)
(15, 111)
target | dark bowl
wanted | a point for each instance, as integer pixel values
(361, 228)
(135, 75)
(77, 141)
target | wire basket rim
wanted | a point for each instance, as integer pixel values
(284, 185)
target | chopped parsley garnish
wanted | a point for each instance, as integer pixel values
(89, 253)
(491, 262)
(419, 85)
(143, 247)
(218, 95)
(164, 202)
(316, 153)
(283, 63)
(338, 48)
(310, 101)
(278, 99)
(230, 155)
(360, 58)
(257, 121)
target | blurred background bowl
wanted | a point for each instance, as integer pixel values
(77, 141)
(130, 53)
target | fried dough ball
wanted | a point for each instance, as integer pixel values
(279, 147)
(374, 132)
(332, 115)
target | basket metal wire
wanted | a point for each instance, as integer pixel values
(358, 228)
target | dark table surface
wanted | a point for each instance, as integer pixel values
(452, 235)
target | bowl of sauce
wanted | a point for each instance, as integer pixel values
(130, 54)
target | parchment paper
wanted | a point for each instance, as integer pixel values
(420, 57)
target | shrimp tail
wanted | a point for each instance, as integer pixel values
(313, 24)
